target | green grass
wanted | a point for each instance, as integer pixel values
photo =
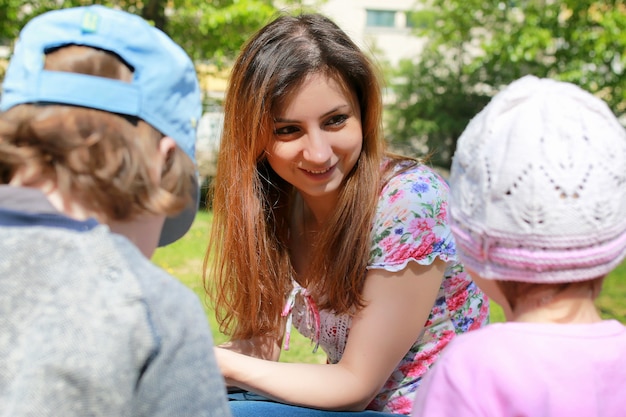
(184, 259)
(611, 302)
(612, 299)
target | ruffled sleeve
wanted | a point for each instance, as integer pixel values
(411, 222)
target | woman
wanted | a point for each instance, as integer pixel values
(315, 226)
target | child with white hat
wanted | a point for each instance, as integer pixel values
(539, 216)
(97, 137)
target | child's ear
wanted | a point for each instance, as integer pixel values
(167, 145)
(166, 149)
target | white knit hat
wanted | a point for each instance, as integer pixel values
(538, 186)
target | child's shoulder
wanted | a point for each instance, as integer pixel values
(152, 278)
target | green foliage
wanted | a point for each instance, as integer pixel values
(477, 46)
(214, 31)
(15, 13)
(210, 31)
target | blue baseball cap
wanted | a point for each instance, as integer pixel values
(164, 91)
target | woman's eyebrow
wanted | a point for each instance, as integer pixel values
(333, 110)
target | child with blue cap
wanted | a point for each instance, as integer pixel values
(538, 212)
(97, 169)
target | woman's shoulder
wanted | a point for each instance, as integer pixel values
(414, 186)
(411, 221)
(411, 178)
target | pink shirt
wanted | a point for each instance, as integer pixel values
(529, 369)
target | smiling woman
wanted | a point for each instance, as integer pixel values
(317, 227)
(318, 141)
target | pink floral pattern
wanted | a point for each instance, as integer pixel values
(412, 226)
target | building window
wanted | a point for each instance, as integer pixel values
(381, 18)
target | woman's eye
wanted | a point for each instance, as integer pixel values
(285, 130)
(337, 120)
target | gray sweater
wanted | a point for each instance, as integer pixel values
(90, 327)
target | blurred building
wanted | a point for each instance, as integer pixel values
(381, 27)
(209, 132)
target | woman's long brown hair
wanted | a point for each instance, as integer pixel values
(247, 267)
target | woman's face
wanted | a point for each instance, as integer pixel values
(317, 138)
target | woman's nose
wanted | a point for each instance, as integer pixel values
(317, 148)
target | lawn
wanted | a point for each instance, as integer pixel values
(184, 260)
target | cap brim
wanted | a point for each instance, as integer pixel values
(176, 226)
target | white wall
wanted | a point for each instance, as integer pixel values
(386, 43)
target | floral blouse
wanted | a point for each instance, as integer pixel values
(410, 226)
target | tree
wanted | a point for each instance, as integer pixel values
(209, 30)
(477, 46)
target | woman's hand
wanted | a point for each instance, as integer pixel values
(229, 354)
(224, 357)
(258, 347)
